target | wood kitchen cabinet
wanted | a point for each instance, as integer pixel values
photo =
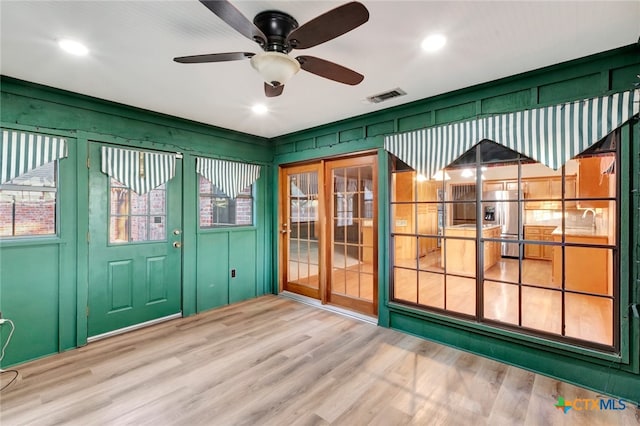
(586, 268)
(492, 186)
(538, 233)
(593, 182)
(412, 217)
(500, 185)
(550, 189)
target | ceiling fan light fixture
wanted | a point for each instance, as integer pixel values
(275, 68)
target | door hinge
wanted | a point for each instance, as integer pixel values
(88, 237)
(87, 311)
(88, 162)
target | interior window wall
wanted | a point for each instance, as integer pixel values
(498, 238)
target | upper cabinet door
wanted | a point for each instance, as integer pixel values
(594, 181)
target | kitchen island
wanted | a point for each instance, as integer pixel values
(460, 255)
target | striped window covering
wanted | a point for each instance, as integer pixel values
(21, 152)
(430, 150)
(140, 171)
(550, 135)
(229, 176)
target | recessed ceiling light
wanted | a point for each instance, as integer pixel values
(259, 109)
(73, 47)
(434, 42)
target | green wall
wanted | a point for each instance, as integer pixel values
(617, 70)
(48, 302)
(44, 281)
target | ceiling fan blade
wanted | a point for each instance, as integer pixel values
(271, 91)
(329, 25)
(235, 19)
(329, 70)
(214, 57)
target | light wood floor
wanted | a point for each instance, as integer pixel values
(274, 361)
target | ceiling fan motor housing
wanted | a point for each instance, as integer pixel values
(276, 26)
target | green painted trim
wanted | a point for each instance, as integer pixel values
(384, 229)
(534, 342)
(190, 215)
(82, 245)
(58, 96)
(30, 241)
(67, 271)
(607, 378)
(531, 80)
(43, 130)
(275, 229)
(623, 221)
(633, 230)
(326, 152)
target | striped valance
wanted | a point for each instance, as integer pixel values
(21, 152)
(229, 176)
(141, 171)
(550, 135)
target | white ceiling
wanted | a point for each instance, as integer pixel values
(133, 43)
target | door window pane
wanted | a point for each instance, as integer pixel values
(131, 217)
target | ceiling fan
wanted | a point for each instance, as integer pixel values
(278, 33)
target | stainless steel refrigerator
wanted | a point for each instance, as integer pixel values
(502, 209)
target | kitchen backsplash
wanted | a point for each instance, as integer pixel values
(573, 218)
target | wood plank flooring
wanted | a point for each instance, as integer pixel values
(275, 361)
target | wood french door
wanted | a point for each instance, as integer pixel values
(301, 229)
(328, 229)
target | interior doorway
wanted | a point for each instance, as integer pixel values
(328, 229)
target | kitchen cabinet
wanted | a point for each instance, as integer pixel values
(593, 183)
(538, 233)
(411, 218)
(492, 186)
(586, 268)
(549, 189)
(511, 185)
(500, 185)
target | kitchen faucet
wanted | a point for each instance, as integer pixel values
(593, 223)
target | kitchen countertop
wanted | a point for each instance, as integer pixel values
(471, 226)
(581, 232)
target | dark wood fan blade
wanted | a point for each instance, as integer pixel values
(214, 57)
(329, 70)
(329, 25)
(235, 19)
(271, 91)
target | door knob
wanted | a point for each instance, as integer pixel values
(177, 244)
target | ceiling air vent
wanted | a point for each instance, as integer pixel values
(381, 97)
